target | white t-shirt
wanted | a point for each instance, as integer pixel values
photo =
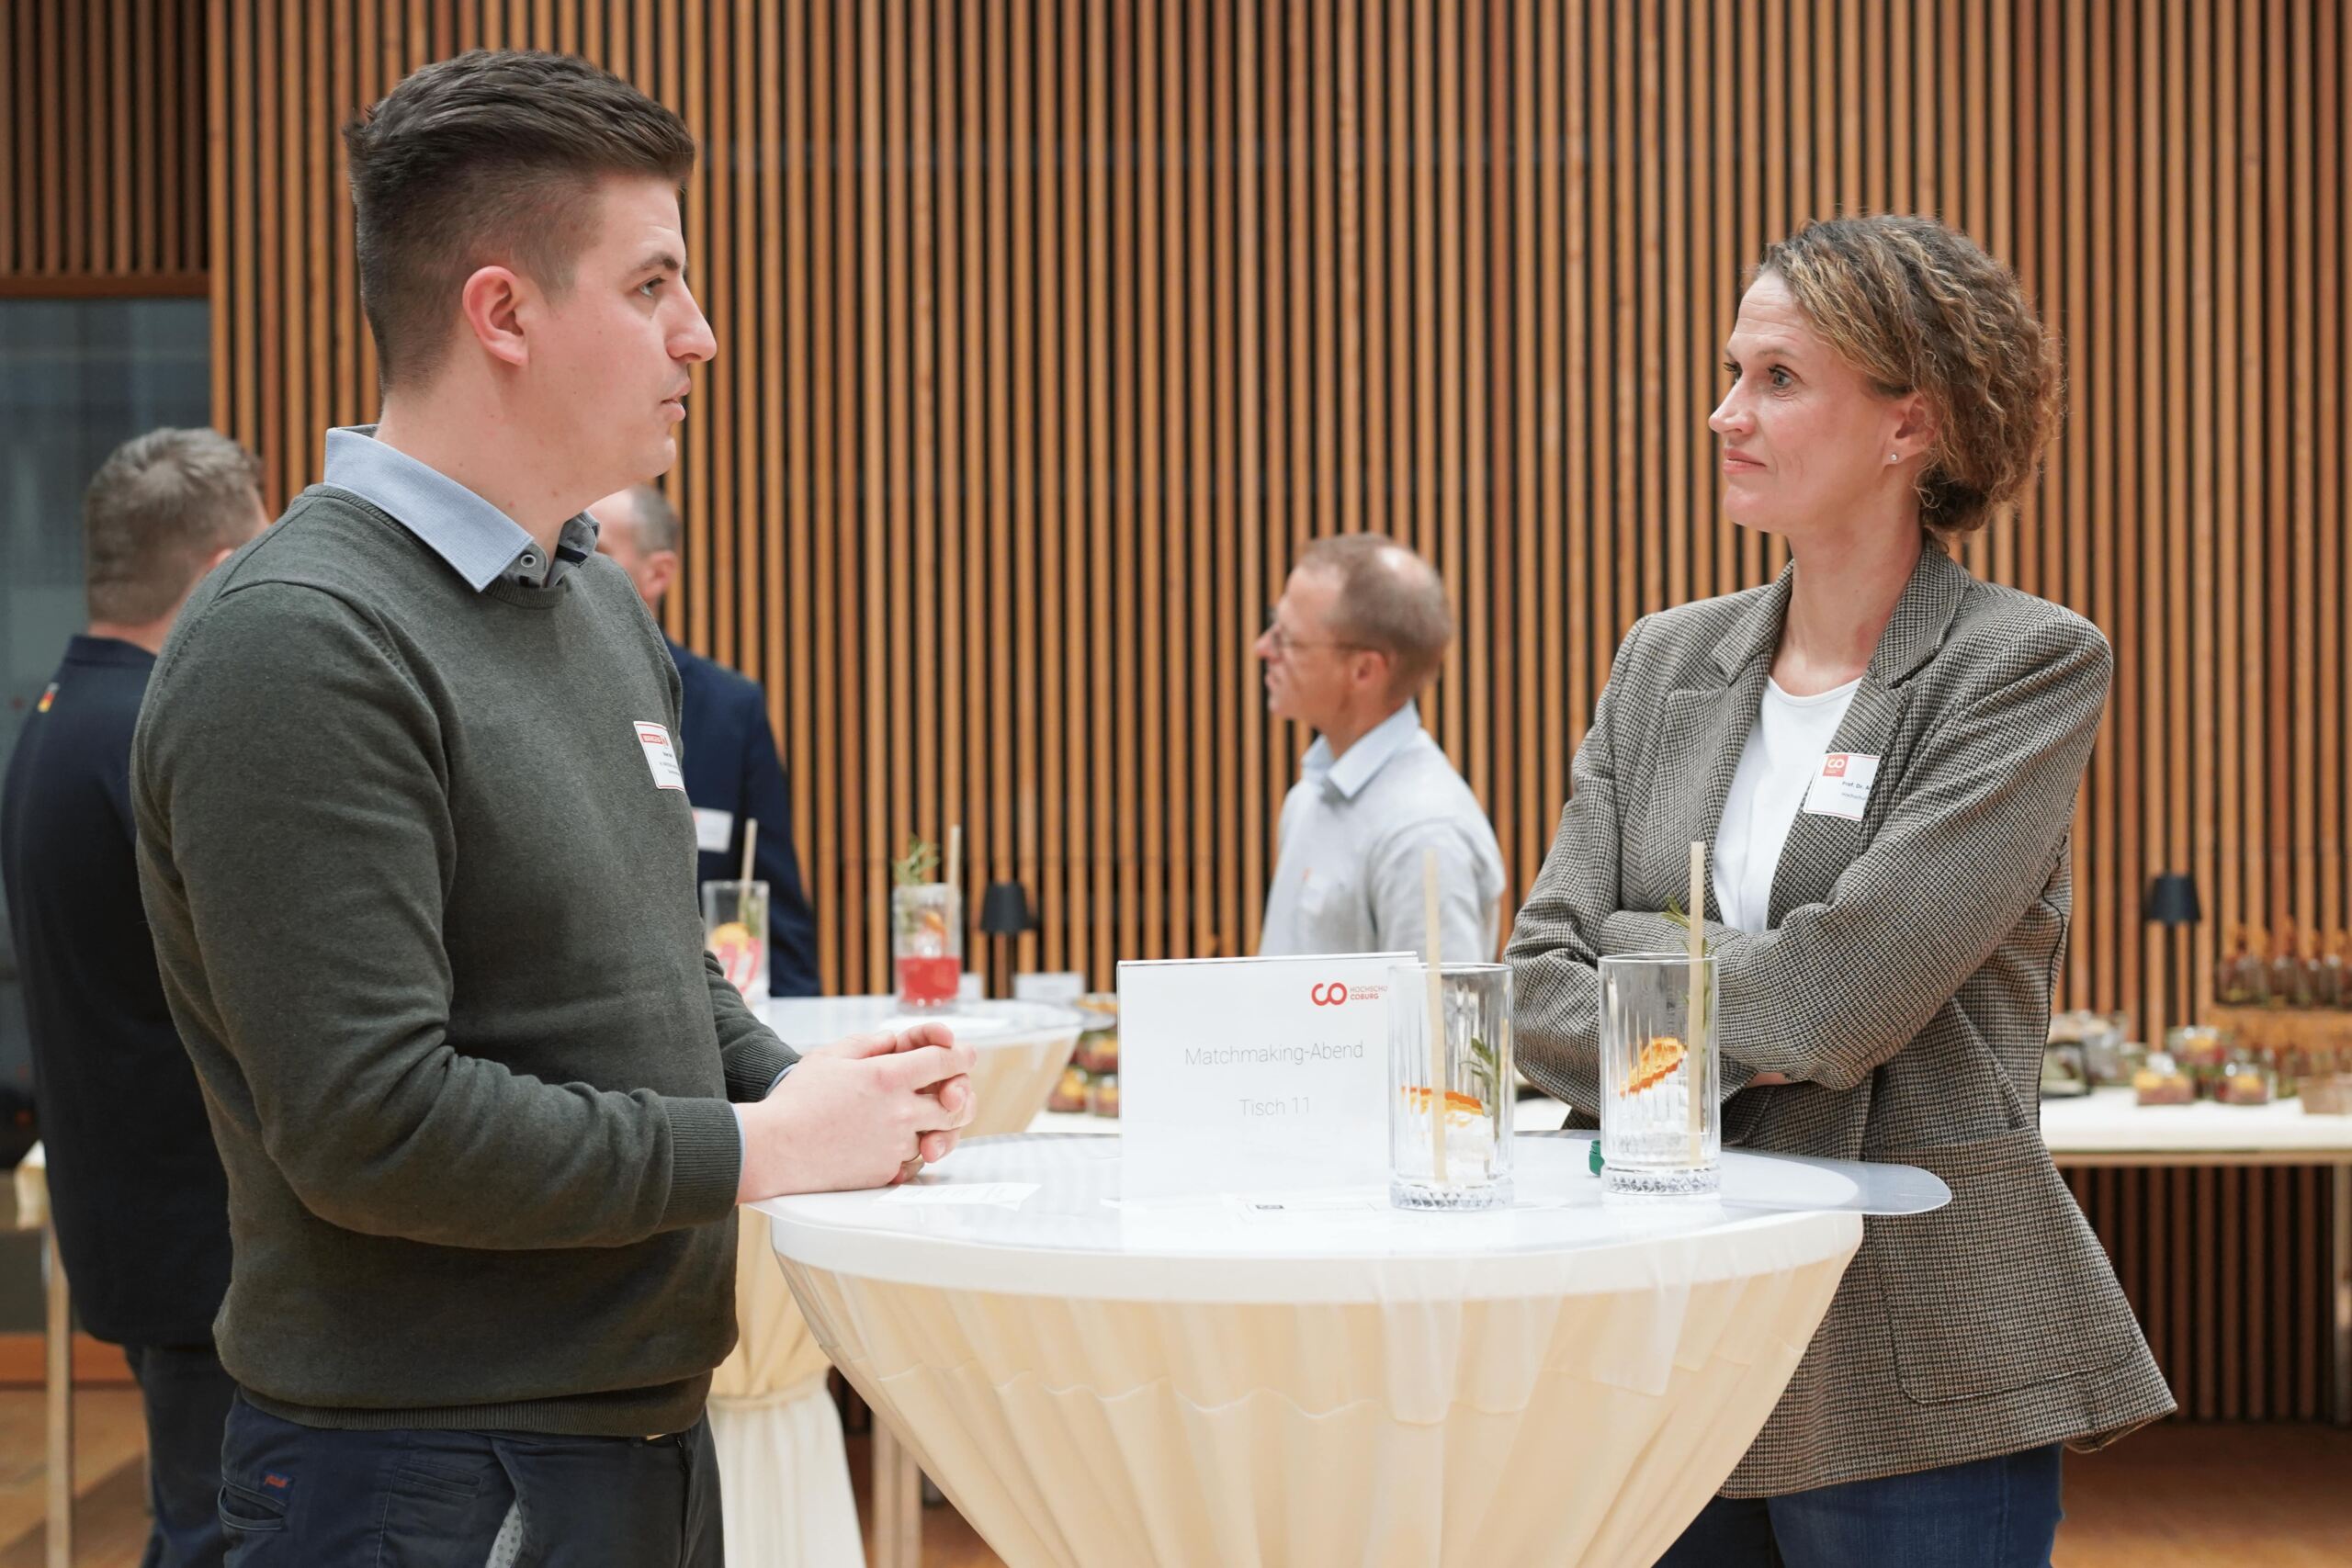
(1782, 756)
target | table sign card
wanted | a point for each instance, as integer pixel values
(1057, 986)
(1254, 1075)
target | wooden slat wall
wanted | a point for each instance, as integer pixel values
(2228, 1271)
(1051, 329)
(102, 118)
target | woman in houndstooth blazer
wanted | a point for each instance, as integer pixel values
(1886, 977)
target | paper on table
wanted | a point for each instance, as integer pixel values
(999, 1194)
(1048, 986)
(1308, 1202)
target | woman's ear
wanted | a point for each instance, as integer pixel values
(1916, 426)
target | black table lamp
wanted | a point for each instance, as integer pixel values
(1005, 915)
(2173, 903)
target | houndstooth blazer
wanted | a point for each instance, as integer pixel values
(1903, 985)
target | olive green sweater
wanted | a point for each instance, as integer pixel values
(426, 923)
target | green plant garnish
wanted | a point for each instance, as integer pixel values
(1485, 1070)
(916, 866)
(1674, 912)
(1697, 1024)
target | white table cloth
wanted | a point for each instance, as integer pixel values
(783, 1475)
(57, 1343)
(2111, 1121)
(1334, 1381)
(2109, 1127)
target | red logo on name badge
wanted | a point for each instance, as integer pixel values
(1330, 996)
(1833, 766)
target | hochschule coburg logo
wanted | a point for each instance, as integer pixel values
(1338, 993)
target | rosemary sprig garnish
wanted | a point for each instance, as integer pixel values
(1485, 1070)
(1674, 912)
(1698, 1021)
(916, 867)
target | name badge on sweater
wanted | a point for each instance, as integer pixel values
(1842, 787)
(661, 756)
(714, 831)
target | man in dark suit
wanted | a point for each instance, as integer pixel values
(731, 766)
(141, 1206)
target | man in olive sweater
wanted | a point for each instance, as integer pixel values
(412, 844)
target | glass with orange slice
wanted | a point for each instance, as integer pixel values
(1661, 1118)
(735, 928)
(1471, 1109)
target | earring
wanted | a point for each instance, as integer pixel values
(1894, 456)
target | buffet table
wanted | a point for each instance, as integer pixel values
(2109, 1128)
(784, 1473)
(1318, 1380)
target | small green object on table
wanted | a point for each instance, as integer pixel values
(1595, 1160)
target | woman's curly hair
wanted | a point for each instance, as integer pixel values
(1918, 307)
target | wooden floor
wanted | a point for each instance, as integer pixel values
(2207, 1496)
(110, 1474)
(2177, 1497)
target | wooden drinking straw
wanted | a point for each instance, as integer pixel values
(955, 855)
(1437, 1021)
(751, 837)
(1695, 1022)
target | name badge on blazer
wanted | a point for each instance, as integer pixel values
(714, 831)
(1842, 787)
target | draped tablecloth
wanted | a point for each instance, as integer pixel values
(1324, 1380)
(784, 1476)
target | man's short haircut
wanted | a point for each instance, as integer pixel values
(158, 508)
(652, 521)
(1390, 600)
(489, 158)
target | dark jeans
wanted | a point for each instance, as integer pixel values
(295, 1496)
(1994, 1513)
(186, 1396)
